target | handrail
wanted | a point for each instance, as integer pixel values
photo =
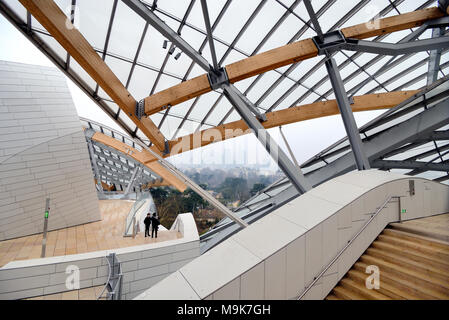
(113, 293)
(136, 207)
(379, 209)
(107, 281)
(196, 188)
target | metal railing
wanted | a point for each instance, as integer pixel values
(115, 280)
(130, 219)
(315, 280)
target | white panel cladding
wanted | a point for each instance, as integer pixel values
(275, 276)
(43, 153)
(253, 283)
(143, 266)
(303, 254)
(22, 279)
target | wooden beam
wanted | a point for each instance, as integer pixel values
(286, 116)
(392, 24)
(283, 56)
(157, 168)
(272, 59)
(144, 157)
(177, 94)
(105, 185)
(59, 26)
(156, 184)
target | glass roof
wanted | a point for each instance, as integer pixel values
(134, 52)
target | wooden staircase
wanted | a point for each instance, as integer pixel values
(413, 260)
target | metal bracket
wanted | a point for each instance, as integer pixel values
(443, 5)
(140, 109)
(167, 148)
(217, 78)
(330, 41)
(351, 100)
(437, 23)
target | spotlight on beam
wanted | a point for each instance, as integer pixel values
(177, 55)
(165, 44)
(172, 49)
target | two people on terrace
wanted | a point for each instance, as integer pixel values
(153, 221)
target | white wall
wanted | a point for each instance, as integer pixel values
(278, 256)
(43, 153)
(142, 266)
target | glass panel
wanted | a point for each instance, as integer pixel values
(126, 32)
(260, 26)
(92, 25)
(141, 82)
(119, 67)
(241, 9)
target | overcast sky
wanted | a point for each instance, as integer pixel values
(306, 138)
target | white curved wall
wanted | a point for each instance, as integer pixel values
(278, 256)
(43, 153)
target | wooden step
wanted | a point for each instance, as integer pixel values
(405, 286)
(413, 228)
(361, 289)
(422, 266)
(437, 225)
(405, 244)
(384, 288)
(346, 294)
(332, 297)
(411, 254)
(410, 275)
(397, 230)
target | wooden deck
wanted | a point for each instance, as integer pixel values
(101, 235)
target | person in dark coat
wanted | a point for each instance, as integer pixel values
(155, 225)
(147, 222)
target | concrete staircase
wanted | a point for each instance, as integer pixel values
(413, 260)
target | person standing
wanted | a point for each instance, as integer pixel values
(147, 223)
(155, 225)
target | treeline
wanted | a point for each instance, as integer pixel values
(170, 202)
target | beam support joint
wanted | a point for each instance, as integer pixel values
(217, 78)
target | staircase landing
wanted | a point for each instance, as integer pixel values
(413, 260)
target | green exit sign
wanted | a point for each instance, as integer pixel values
(403, 210)
(46, 214)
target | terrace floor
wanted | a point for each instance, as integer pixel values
(96, 236)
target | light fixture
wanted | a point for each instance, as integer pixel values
(172, 49)
(165, 44)
(178, 55)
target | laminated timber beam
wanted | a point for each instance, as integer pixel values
(278, 118)
(57, 24)
(282, 56)
(369, 102)
(104, 185)
(143, 157)
(158, 183)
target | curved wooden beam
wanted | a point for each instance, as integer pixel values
(278, 118)
(142, 157)
(283, 56)
(238, 128)
(59, 26)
